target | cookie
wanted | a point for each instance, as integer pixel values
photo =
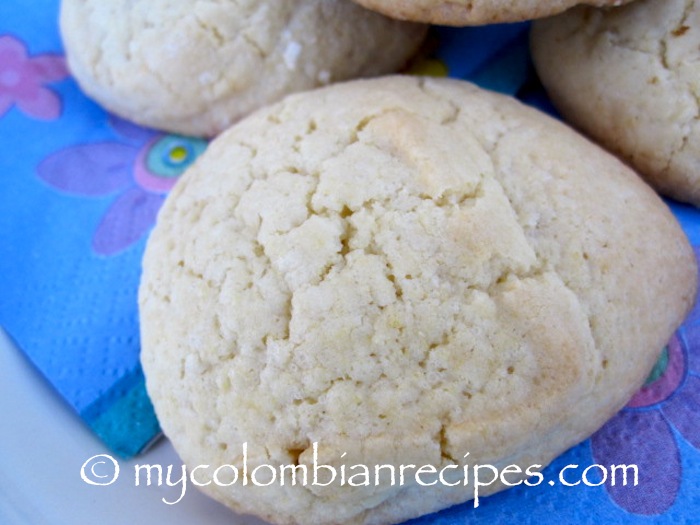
(475, 12)
(394, 272)
(629, 78)
(196, 67)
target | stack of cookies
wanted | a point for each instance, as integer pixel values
(400, 271)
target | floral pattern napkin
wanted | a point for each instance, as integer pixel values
(80, 191)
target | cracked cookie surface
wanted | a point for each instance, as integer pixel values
(404, 271)
(195, 67)
(630, 78)
(476, 12)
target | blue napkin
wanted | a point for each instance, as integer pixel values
(80, 190)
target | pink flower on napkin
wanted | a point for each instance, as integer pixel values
(643, 433)
(140, 170)
(22, 80)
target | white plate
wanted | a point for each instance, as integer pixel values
(43, 446)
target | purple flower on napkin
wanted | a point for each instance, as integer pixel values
(22, 80)
(642, 433)
(141, 169)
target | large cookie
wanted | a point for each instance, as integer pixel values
(196, 67)
(630, 78)
(403, 271)
(475, 12)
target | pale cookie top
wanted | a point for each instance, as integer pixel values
(630, 77)
(406, 270)
(196, 66)
(476, 12)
